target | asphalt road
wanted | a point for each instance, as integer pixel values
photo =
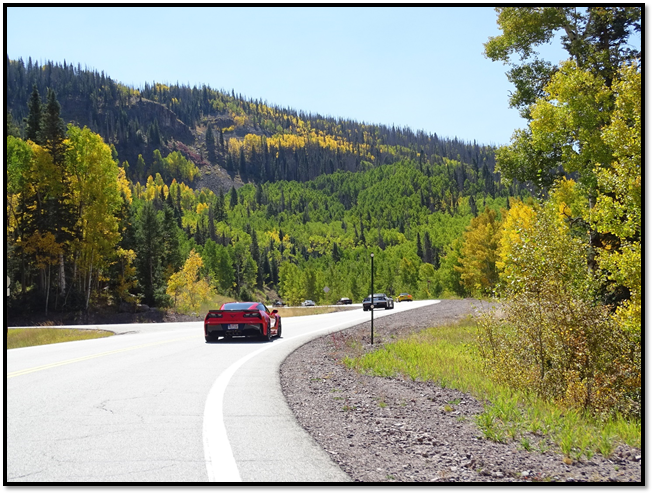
(156, 404)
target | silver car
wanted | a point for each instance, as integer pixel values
(378, 301)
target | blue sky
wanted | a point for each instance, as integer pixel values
(421, 67)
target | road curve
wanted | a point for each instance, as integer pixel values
(157, 404)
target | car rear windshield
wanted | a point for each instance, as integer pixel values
(239, 306)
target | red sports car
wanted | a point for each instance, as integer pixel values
(244, 319)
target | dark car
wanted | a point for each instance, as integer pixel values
(378, 301)
(279, 304)
(243, 319)
(344, 300)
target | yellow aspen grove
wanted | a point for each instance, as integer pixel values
(480, 253)
(96, 185)
(187, 288)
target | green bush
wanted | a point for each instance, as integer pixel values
(553, 336)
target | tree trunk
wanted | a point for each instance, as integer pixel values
(47, 290)
(62, 275)
(88, 288)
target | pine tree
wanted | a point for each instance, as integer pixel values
(419, 250)
(219, 208)
(256, 256)
(154, 135)
(52, 132)
(172, 258)
(473, 205)
(140, 169)
(336, 254)
(12, 128)
(60, 216)
(242, 167)
(233, 198)
(33, 120)
(211, 145)
(258, 197)
(212, 226)
(429, 254)
(149, 248)
(267, 270)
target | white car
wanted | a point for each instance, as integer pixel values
(308, 302)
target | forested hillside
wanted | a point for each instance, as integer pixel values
(267, 199)
(219, 131)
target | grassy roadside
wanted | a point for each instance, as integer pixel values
(448, 357)
(27, 337)
(311, 310)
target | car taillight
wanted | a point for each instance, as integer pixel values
(213, 315)
(251, 315)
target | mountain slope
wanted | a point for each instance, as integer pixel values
(230, 139)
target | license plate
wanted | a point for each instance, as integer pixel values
(232, 326)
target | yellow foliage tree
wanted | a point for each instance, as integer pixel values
(187, 288)
(480, 253)
(201, 207)
(96, 183)
(619, 203)
(517, 222)
(127, 275)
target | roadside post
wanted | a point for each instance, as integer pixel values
(372, 297)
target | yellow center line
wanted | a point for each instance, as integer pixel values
(92, 356)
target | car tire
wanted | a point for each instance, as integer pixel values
(210, 338)
(266, 338)
(279, 329)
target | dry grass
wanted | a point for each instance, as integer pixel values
(28, 337)
(311, 310)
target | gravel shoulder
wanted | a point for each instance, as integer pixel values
(395, 430)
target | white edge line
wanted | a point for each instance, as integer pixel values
(217, 448)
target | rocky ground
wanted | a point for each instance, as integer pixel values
(394, 430)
